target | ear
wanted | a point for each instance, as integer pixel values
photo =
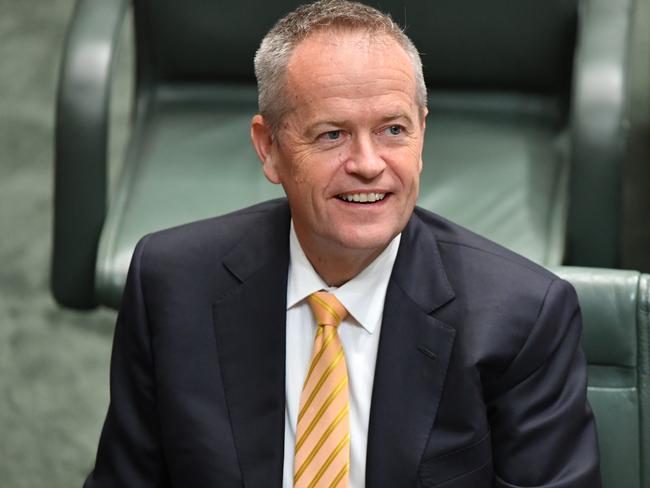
(265, 146)
(423, 127)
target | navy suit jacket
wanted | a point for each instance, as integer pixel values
(480, 380)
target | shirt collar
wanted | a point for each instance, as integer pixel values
(363, 296)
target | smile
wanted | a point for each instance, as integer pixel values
(362, 197)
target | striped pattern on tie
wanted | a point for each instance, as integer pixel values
(322, 453)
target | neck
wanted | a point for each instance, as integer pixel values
(337, 266)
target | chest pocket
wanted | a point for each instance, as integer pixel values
(470, 467)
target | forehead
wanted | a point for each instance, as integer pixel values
(349, 63)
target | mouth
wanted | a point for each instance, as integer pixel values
(369, 197)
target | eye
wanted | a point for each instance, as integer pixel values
(394, 130)
(333, 135)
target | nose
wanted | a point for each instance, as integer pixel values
(364, 159)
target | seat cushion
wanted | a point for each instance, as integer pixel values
(503, 175)
(192, 159)
(499, 173)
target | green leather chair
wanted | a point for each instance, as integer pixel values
(616, 339)
(524, 141)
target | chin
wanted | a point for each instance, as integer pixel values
(366, 239)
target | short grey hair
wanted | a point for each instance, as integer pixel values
(272, 57)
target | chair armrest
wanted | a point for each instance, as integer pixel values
(644, 376)
(599, 131)
(80, 168)
(609, 300)
(616, 336)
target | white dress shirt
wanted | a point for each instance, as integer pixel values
(363, 297)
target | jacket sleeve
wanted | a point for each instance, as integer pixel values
(543, 431)
(130, 452)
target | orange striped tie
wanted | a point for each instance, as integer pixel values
(322, 455)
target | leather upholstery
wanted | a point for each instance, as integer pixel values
(508, 126)
(81, 146)
(209, 41)
(616, 317)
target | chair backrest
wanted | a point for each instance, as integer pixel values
(616, 316)
(525, 46)
(501, 67)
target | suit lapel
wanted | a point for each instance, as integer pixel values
(414, 351)
(250, 333)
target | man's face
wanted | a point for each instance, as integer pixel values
(348, 153)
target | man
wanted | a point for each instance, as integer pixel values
(452, 361)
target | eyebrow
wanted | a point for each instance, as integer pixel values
(342, 122)
(394, 117)
(311, 129)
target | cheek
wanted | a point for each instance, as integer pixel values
(301, 167)
(416, 160)
(316, 171)
(408, 166)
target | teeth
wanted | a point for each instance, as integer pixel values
(363, 197)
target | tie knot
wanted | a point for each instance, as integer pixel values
(327, 309)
